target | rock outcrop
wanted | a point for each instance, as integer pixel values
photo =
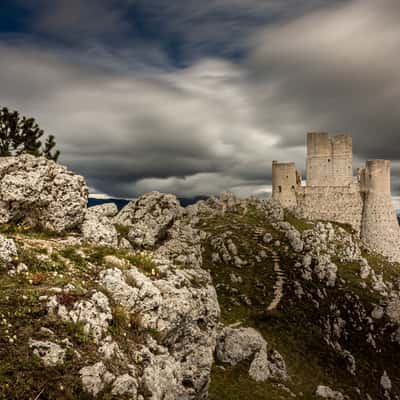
(41, 193)
(162, 297)
(227, 298)
(97, 227)
(240, 344)
(149, 218)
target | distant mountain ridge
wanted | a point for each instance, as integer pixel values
(93, 201)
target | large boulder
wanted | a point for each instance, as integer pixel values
(149, 218)
(42, 193)
(97, 227)
(184, 317)
(235, 345)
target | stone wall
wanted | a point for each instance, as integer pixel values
(333, 194)
(338, 204)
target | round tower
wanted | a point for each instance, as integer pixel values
(379, 229)
(285, 180)
(376, 177)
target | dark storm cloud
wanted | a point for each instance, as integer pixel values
(75, 19)
(334, 70)
(186, 30)
(181, 129)
(130, 121)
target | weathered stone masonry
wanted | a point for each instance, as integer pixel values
(332, 193)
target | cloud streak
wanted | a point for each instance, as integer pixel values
(131, 121)
(333, 70)
(127, 133)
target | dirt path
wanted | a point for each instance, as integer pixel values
(278, 287)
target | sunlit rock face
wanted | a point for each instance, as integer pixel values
(41, 193)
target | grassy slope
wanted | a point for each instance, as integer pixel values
(295, 328)
(22, 314)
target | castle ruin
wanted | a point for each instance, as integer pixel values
(332, 193)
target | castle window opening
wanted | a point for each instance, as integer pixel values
(280, 189)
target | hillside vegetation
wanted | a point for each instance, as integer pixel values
(226, 299)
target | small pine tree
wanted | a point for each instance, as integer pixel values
(48, 149)
(22, 135)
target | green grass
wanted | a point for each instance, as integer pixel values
(122, 231)
(22, 375)
(233, 383)
(25, 229)
(296, 328)
(300, 224)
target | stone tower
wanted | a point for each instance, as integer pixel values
(329, 160)
(379, 228)
(285, 180)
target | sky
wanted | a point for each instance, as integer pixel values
(198, 97)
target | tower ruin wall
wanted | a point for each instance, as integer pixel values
(333, 194)
(329, 160)
(285, 179)
(380, 229)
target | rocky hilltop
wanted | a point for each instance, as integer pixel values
(224, 299)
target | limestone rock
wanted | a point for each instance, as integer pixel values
(42, 193)
(259, 368)
(267, 238)
(21, 267)
(125, 385)
(50, 353)
(94, 313)
(104, 210)
(236, 345)
(185, 316)
(393, 310)
(98, 229)
(149, 218)
(326, 392)
(277, 366)
(377, 312)
(125, 244)
(295, 241)
(365, 269)
(162, 378)
(326, 270)
(8, 250)
(95, 377)
(110, 349)
(385, 381)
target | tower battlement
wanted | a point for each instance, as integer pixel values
(332, 193)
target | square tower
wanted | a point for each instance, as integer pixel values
(329, 159)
